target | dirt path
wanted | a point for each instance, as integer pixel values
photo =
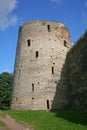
(11, 124)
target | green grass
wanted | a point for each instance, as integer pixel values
(63, 119)
(2, 123)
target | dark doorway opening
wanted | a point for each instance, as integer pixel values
(48, 107)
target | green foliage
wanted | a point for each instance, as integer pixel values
(63, 119)
(5, 90)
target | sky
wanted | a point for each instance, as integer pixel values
(72, 13)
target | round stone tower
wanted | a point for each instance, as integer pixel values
(41, 53)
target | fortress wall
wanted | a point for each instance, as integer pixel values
(76, 73)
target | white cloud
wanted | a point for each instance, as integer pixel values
(6, 17)
(86, 3)
(57, 1)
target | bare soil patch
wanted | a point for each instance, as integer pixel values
(11, 124)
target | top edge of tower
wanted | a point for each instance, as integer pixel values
(42, 22)
(45, 23)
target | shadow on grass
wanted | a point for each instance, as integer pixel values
(72, 115)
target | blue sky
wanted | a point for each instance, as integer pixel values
(73, 13)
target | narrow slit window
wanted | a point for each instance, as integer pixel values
(52, 69)
(48, 27)
(28, 42)
(32, 87)
(37, 54)
(65, 43)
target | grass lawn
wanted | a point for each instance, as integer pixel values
(2, 123)
(62, 119)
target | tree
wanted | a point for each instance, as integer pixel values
(5, 89)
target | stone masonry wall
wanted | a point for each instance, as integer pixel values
(41, 52)
(76, 63)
